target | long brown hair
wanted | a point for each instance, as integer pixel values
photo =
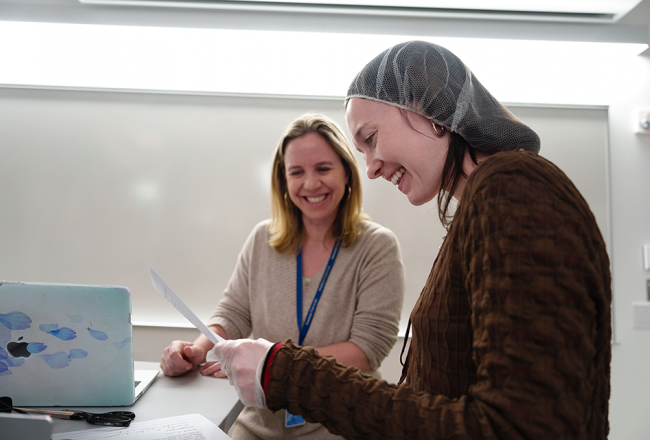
(452, 172)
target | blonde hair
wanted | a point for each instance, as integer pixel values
(286, 230)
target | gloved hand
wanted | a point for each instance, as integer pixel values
(242, 360)
(212, 369)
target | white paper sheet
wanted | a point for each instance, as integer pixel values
(167, 292)
(187, 427)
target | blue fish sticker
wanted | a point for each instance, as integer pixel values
(123, 343)
(36, 347)
(97, 334)
(76, 319)
(15, 362)
(4, 369)
(57, 360)
(3, 353)
(48, 327)
(78, 353)
(64, 333)
(15, 320)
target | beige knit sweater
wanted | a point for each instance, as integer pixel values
(361, 303)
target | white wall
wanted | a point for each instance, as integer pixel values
(630, 182)
(179, 181)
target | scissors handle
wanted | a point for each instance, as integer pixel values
(65, 414)
(128, 414)
(113, 418)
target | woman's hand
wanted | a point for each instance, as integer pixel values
(212, 368)
(242, 360)
(180, 357)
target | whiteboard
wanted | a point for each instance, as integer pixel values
(95, 186)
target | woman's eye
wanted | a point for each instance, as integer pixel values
(369, 139)
(323, 170)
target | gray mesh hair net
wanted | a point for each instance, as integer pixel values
(431, 81)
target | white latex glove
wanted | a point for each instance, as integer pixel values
(242, 360)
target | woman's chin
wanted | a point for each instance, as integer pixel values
(419, 199)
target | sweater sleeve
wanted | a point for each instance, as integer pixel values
(380, 295)
(354, 405)
(535, 266)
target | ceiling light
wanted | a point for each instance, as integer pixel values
(280, 63)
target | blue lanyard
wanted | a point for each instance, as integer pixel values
(304, 328)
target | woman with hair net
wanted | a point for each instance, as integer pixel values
(511, 333)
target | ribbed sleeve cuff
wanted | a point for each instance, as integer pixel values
(267, 364)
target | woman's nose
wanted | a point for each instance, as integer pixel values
(373, 167)
(312, 181)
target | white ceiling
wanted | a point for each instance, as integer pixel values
(631, 28)
(546, 10)
(591, 6)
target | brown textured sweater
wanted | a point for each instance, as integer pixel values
(511, 334)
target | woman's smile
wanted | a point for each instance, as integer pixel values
(315, 199)
(397, 176)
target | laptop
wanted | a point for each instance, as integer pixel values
(68, 345)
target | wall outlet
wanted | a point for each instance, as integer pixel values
(641, 315)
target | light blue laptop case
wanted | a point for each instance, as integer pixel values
(65, 345)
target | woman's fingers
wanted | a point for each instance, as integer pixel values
(212, 368)
(172, 362)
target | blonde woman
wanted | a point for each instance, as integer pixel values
(318, 271)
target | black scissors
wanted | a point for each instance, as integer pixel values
(113, 418)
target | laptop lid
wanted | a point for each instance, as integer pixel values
(66, 345)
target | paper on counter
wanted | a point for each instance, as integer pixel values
(167, 292)
(190, 427)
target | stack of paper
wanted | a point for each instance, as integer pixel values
(188, 427)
